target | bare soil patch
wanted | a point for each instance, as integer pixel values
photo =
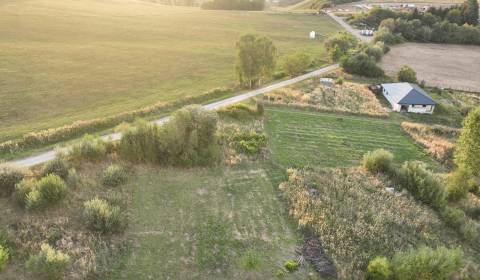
(448, 66)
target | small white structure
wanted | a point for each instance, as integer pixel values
(366, 32)
(326, 81)
(406, 97)
(313, 35)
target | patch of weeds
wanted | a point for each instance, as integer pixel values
(251, 259)
(213, 243)
(291, 265)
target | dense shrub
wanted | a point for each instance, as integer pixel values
(49, 263)
(58, 166)
(23, 189)
(249, 142)
(187, 139)
(47, 191)
(378, 161)
(4, 256)
(360, 63)
(9, 176)
(470, 231)
(468, 151)
(101, 216)
(291, 265)
(453, 217)
(296, 64)
(339, 44)
(459, 183)
(407, 74)
(379, 269)
(423, 184)
(89, 148)
(426, 264)
(114, 175)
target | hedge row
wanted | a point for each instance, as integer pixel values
(78, 128)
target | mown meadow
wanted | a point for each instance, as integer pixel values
(64, 61)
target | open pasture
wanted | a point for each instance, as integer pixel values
(63, 61)
(300, 138)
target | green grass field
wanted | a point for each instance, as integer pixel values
(171, 205)
(70, 60)
(299, 138)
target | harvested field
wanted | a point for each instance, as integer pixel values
(448, 66)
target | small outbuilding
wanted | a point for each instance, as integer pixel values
(407, 97)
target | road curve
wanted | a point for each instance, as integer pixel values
(49, 155)
(349, 28)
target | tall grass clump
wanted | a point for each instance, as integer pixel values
(58, 166)
(423, 184)
(9, 177)
(187, 139)
(89, 148)
(240, 111)
(378, 161)
(49, 263)
(40, 194)
(427, 264)
(114, 175)
(100, 216)
(4, 256)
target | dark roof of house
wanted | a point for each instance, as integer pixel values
(408, 94)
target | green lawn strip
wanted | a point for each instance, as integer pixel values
(170, 205)
(299, 138)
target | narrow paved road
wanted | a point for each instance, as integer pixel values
(49, 155)
(349, 28)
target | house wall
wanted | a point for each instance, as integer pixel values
(420, 109)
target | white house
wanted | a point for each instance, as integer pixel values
(406, 97)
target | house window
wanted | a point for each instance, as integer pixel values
(424, 106)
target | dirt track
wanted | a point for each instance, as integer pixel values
(448, 66)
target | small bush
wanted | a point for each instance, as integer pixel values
(453, 217)
(48, 190)
(239, 111)
(48, 263)
(426, 264)
(9, 177)
(379, 269)
(101, 216)
(249, 142)
(423, 184)
(291, 265)
(89, 148)
(295, 64)
(251, 260)
(407, 74)
(459, 184)
(340, 80)
(114, 175)
(23, 189)
(58, 166)
(378, 161)
(4, 256)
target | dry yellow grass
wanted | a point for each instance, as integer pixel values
(347, 98)
(434, 139)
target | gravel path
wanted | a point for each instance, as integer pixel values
(49, 155)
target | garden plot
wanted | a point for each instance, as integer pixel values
(299, 138)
